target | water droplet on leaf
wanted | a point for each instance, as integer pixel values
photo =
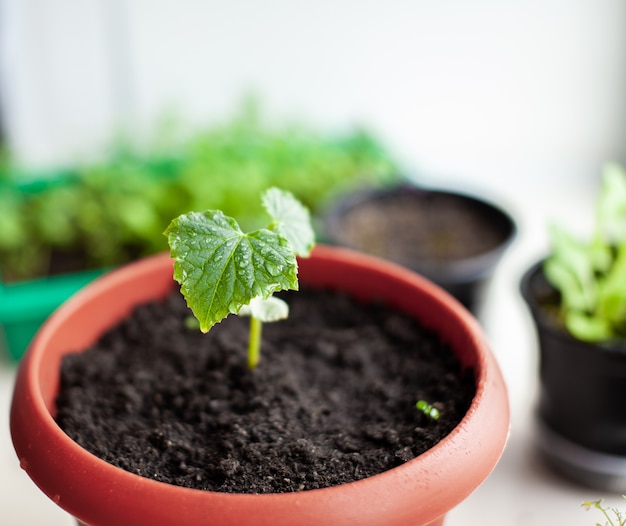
(272, 269)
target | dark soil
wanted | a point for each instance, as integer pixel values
(423, 226)
(332, 401)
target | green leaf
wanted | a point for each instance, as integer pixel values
(12, 224)
(570, 270)
(428, 409)
(138, 216)
(611, 206)
(587, 328)
(563, 279)
(221, 269)
(600, 254)
(292, 219)
(612, 290)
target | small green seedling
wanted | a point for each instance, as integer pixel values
(591, 275)
(613, 516)
(428, 409)
(223, 270)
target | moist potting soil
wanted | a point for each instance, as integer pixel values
(431, 227)
(332, 400)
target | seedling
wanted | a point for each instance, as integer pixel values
(613, 516)
(223, 270)
(591, 275)
(428, 409)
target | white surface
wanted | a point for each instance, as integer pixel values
(521, 491)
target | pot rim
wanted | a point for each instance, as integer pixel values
(450, 272)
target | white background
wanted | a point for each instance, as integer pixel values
(490, 91)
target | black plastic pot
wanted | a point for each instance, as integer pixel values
(581, 411)
(463, 276)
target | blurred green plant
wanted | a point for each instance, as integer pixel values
(591, 275)
(613, 516)
(114, 212)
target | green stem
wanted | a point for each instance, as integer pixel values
(254, 343)
(606, 514)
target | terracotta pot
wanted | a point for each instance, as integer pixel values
(418, 492)
(581, 414)
(423, 249)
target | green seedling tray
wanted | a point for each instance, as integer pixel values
(25, 305)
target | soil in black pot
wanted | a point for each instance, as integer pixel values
(332, 401)
(413, 227)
